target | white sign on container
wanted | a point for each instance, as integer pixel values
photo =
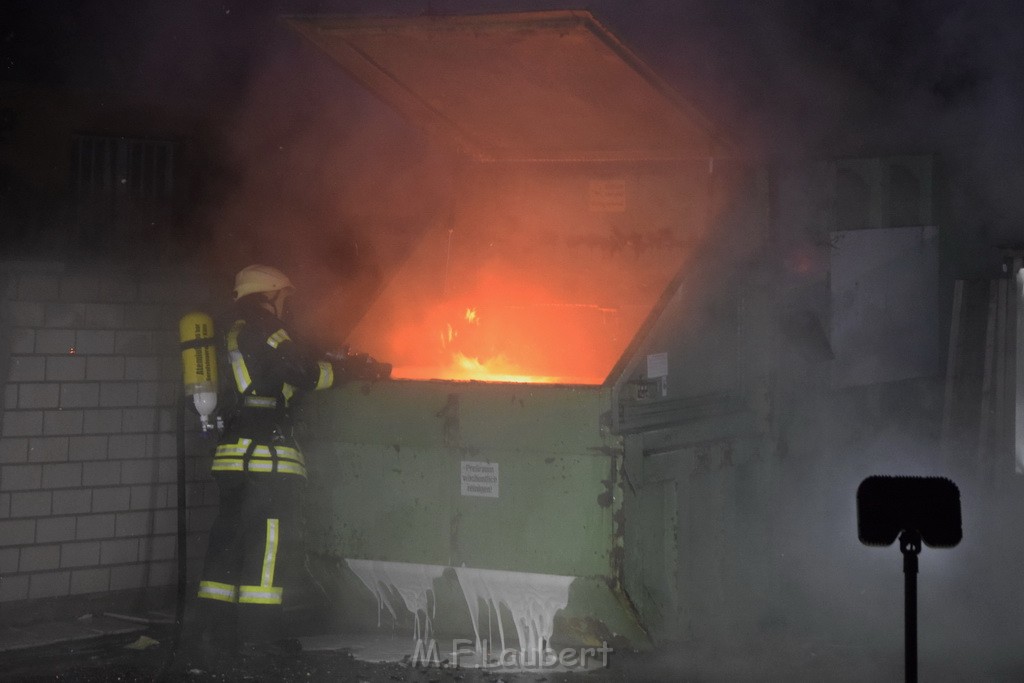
(480, 479)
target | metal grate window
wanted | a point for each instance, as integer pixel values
(125, 189)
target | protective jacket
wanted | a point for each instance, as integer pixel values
(268, 368)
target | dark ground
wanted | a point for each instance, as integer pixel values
(108, 659)
(113, 658)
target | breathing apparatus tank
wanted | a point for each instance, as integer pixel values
(199, 363)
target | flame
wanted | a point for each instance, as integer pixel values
(497, 340)
(465, 368)
(495, 368)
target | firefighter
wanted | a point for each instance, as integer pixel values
(255, 542)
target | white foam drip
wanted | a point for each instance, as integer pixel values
(413, 582)
(532, 600)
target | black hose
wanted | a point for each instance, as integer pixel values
(179, 609)
(179, 612)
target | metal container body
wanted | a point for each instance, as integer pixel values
(388, 464)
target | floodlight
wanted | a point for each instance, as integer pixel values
(915, 510)
(930, 506)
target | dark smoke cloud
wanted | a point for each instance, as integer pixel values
(792, 79)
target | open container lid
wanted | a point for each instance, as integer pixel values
(537, 86)
(554, 280)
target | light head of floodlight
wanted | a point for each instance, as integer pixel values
(888, 506)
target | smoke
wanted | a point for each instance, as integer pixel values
(320, 178)
(323, 181)
(787, 80)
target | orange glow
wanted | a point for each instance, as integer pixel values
(497, 340)
(552, 324)
(495, 370)
(532, 279)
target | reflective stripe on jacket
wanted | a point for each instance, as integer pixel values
(268, 369)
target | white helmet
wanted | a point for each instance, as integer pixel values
(256, 278)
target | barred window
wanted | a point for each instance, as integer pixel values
(125, 190)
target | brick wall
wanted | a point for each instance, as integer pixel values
(89, 369)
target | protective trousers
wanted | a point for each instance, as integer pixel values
(255, 543)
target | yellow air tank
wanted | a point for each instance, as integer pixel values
(199, 363)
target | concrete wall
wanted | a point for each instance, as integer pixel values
(89, 369)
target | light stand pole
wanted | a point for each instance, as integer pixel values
(910, 546)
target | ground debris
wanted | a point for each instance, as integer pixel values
(142, 643)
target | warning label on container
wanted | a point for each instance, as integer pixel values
(480, 479)
(657, 365)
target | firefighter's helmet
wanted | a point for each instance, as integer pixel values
(256, 278)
